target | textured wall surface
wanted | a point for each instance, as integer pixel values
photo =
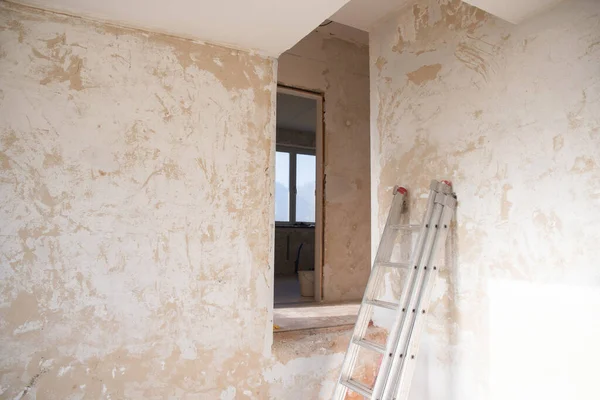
(340, 70)
(136, 221)
(307, 363)
(511, 114)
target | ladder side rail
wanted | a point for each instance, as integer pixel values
(387, 240)
(404, 378)
(399, 353)
(399, 320)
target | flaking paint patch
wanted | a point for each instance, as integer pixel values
(400, 43)
(18, 27)
(426, 21)
(548, 223)
(190, 54)
(583, 164)
(53, 159)
(312, 357)
(380, 63)
(62, 65)
(477, 54)
(575, 116)
(424, 74)
(5, 162)
(471, 146)
(28, 326)
(558, 142)
(505, 204)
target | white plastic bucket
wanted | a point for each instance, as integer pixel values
(307, 283)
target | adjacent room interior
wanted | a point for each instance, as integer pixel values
(297, 260)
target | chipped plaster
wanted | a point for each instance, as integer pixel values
(511, 117)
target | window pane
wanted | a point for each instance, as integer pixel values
(306, 173)
(282, 186)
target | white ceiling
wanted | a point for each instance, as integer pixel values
(514, 11)
(267, 26)
(362, 14)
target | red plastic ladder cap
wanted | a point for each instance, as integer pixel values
(401, 190)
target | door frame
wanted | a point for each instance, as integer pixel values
(319, 182)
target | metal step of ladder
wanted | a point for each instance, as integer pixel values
(399, 352)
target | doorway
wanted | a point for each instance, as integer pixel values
(298, 197)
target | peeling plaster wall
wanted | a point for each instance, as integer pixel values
(307, 363)
(511, 114)
(136, 178)
(339, 69)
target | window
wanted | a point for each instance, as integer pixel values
(306, 172)
(282, 186)
(295, 184)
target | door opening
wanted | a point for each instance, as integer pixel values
(298, 197)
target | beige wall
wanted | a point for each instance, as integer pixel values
(511, 114)
(339, 69)
(307, 363)
(136, 230)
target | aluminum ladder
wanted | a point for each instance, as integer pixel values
(399, 353)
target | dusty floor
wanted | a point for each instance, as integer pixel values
(294, 312)
(287, 291)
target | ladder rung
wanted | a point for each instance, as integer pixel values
(383, 304)
(395, 373)
(358, 387)
(369, 345)
(405, 227)
(394, 264)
